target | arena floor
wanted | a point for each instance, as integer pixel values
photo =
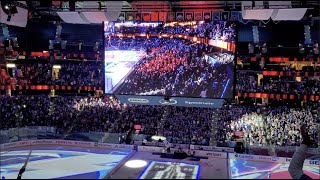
(54, 162)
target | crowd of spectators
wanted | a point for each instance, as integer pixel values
(69, 113)
(72, 114)
(147, 116)
(248, 82)
(188, 125)
(267, 125)
(260, 125)
(83, 74)
(71, 73)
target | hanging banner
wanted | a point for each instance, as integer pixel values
(189, 16)
(138, 17)
(171, 16)
(162, 16)
(121, 17)
(198, 16)
(146, 16)
(216, 16)
(154, 16)
(224, 16)
(207, 16)
(129, 16)
(235, 16)
(179, 16)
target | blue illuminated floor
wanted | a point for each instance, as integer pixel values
(241, 169)
(54, 162)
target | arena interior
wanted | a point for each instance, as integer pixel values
(159, 89)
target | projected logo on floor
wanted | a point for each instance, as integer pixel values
(241, 169)
(49, 164)
(170, 170)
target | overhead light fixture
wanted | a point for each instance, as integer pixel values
(9, 8)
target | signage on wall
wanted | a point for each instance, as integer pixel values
(174, 101)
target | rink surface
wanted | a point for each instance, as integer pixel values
(68, 162)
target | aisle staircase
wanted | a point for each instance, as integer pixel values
(214, 127)
(165, 114)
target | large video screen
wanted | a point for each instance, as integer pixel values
(170, 60)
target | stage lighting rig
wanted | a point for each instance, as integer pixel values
(9, 8)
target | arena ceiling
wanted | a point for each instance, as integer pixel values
(46, 10)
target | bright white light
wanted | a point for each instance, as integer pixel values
(11, 65)
(6, 7)
(156, 138)
(56, 67)
(135, 164)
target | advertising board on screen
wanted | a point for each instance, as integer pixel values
(162, 65)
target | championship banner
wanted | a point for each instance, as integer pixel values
(146, 16)
(129, 16)
(215, 16)
(207, 16)
(224, 16)
(138, 17)
(235, 16)
(171, 16)
(179, 16)
(121, 17)
(189, 16)
(162, 16)
(198, 16)
(154, 16)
